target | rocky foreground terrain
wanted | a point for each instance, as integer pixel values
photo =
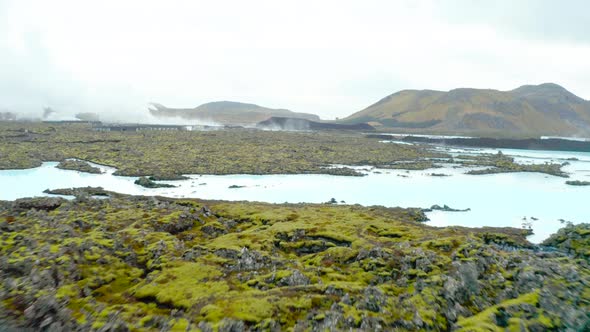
(147, 263)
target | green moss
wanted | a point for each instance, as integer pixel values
(98, 324)
(515, 324)
(71, 291)
(354, 314)
(545, 321)
(250, 309)
(484, 321)
(180, 325)
(426, 310)
(213, 313)
(182, 285)
(54, 249)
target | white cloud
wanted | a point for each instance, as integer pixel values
(327, 57)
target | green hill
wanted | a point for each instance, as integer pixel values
(530, 110)
(227, 112)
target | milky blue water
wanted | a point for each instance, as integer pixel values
(494, 200)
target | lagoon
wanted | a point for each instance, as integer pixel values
(532, 200)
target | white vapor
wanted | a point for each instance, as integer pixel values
(331, 58)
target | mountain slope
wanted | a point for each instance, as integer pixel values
(227, 112)
(546, 109)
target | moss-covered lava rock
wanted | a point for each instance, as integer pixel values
(152, 263)
(575, 239)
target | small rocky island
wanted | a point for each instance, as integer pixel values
(501, 163)
(578, 183)
(445, 208)
(148, 182)
(78, 165)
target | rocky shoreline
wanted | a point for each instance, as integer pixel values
(78, 165)
(501, 163)
(160, 155)
(149, 182)
(551, 144)
(445, 208)
(168, 155)
(578, 183)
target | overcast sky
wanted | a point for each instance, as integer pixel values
(331, 58)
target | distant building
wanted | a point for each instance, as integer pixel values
(94, 123)
(208, 127)
(138, 127)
